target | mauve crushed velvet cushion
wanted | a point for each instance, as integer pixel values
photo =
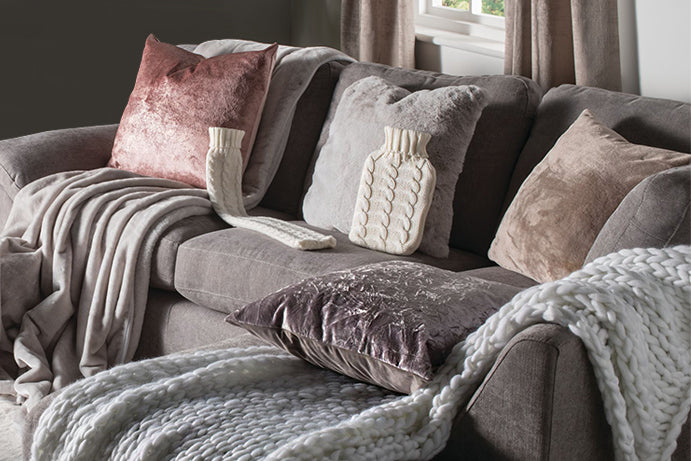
(391, 323)
(563, 204)
(177, 96)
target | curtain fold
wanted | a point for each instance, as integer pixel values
(380, 31)
(563, 41)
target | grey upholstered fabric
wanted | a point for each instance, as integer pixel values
(499, 274)
(654, 214)
(285, 192)
(367, 107)
(209, 267)
(166, 251)
(498, 139)
(540, 400)
(649, 121)
(25, 159)
(174, 324)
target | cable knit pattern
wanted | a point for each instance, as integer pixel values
(395, 194)
(224, 184)
(631, 309)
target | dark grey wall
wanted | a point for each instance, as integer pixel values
(316, 22)
(67, 63)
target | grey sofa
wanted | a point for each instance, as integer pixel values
(540, 400)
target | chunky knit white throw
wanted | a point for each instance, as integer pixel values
(224, 184)
(395, 194)
(631, 309)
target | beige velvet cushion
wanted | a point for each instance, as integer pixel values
(563, 204)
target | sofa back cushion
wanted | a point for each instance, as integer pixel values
(285, 192)
(640, 120)
(656, 213)
(499, 136)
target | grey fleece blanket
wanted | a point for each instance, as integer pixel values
(75, 263)
(293, 72)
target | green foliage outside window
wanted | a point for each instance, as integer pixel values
(493, 7)
(458, 4)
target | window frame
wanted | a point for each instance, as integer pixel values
(472, 23)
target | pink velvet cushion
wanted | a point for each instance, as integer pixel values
(178, 95)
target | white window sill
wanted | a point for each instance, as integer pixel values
(466, 42)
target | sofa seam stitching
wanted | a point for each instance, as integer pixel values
(247, 258)
(204, 292)
(548, 451)
(13, 180)
(633, 216)
(493, 372)
(676, 228)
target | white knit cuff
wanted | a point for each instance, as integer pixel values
(225, 138)
(406, 142)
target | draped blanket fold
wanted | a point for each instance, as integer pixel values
(75, 262)
(631, 309)
(294, 70)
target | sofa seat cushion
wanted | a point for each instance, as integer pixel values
(166, 251)
(232, 267)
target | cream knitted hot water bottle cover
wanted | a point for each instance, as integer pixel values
(395, 194)
(224, 184)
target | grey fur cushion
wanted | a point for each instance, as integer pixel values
(449, 114)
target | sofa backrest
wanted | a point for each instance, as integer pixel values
(641, 120)
(285, 192)
(499, 136)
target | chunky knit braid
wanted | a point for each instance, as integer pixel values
(224, 184)
(632, 310)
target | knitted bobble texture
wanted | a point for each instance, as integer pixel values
(224, 184)
(395, 194)
(631, 309)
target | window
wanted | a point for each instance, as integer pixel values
(477, 18)
(475, 7)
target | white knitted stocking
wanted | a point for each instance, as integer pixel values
(395, 194)
(224, 184)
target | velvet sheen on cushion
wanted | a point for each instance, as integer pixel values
(448, 114)
(654, 214)
(561, 207)
(177, 96)
(390, 324)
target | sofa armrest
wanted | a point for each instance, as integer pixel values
(540, 401)
(25, 159)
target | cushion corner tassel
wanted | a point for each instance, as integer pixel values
(224, 185)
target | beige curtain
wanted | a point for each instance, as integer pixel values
(379, 31)
(563, 41)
